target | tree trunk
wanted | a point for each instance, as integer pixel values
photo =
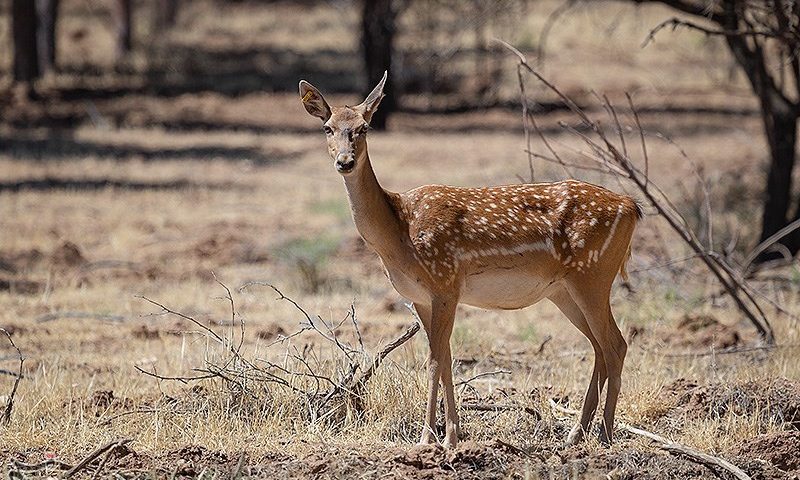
(166, 12)
(780, 127)
(26, 61)
(46, 34)
(377, 38)
(122, 26)
(781, 131)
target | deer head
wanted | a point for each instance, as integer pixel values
(345, 127)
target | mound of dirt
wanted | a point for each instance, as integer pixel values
(67, 255)
(781, 450)
(703, 331)
(422, 457)
(20, 261)
(101, 402)
(774, 401)
(21, 286)
(271, 332)
(146, 333)
(228, 248)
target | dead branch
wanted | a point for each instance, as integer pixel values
(669, 446)
(695, 455)
(730, 351)
(323, 393)
(610, 156)
(168, 311)
(675, 22)
(229, 297)
(95, 454)
(389, 348)
(110, 419)
(500, 407)
(10, 402)
(483, 374)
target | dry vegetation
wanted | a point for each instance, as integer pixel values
(148, 194)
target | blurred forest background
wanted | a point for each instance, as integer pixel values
(440, 53)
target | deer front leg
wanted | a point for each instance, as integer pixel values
(450, 412)
(433, 374)
(443, 311)
(438, 322)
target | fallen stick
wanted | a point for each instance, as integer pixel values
(671, 447)
(94, 455)
(499, 407)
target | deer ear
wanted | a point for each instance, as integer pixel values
(314, 102)
(370, 105)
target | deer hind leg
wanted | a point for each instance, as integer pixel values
(572, 311)
(593, 301)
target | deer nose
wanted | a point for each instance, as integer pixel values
(345, 162)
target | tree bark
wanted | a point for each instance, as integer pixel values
(377, 39)
(46, 34)
(26, 61)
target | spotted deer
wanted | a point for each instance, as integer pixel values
(504, 247)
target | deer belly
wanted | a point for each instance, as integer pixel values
(505, 289)
(408, 286)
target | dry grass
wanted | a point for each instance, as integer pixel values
(244, 206)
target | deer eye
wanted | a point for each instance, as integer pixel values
(362, 130)
(328, 130)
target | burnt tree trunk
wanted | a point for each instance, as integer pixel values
(46, 34)
(26, 56)
(780, 116)
(122, 27)
(781, 130)
(377, 40)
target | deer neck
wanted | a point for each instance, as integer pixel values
(375, 218)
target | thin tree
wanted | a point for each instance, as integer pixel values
(377, 40)
(26, 53)
(764, 38)
(122, 27)
(47, 11)
(165, 14)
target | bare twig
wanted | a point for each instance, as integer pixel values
(391, 346)
(229, 297)
(110, 419)
(166, 310)
(499, 407)
(483, 374)
(6, 418)
(675, 22)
